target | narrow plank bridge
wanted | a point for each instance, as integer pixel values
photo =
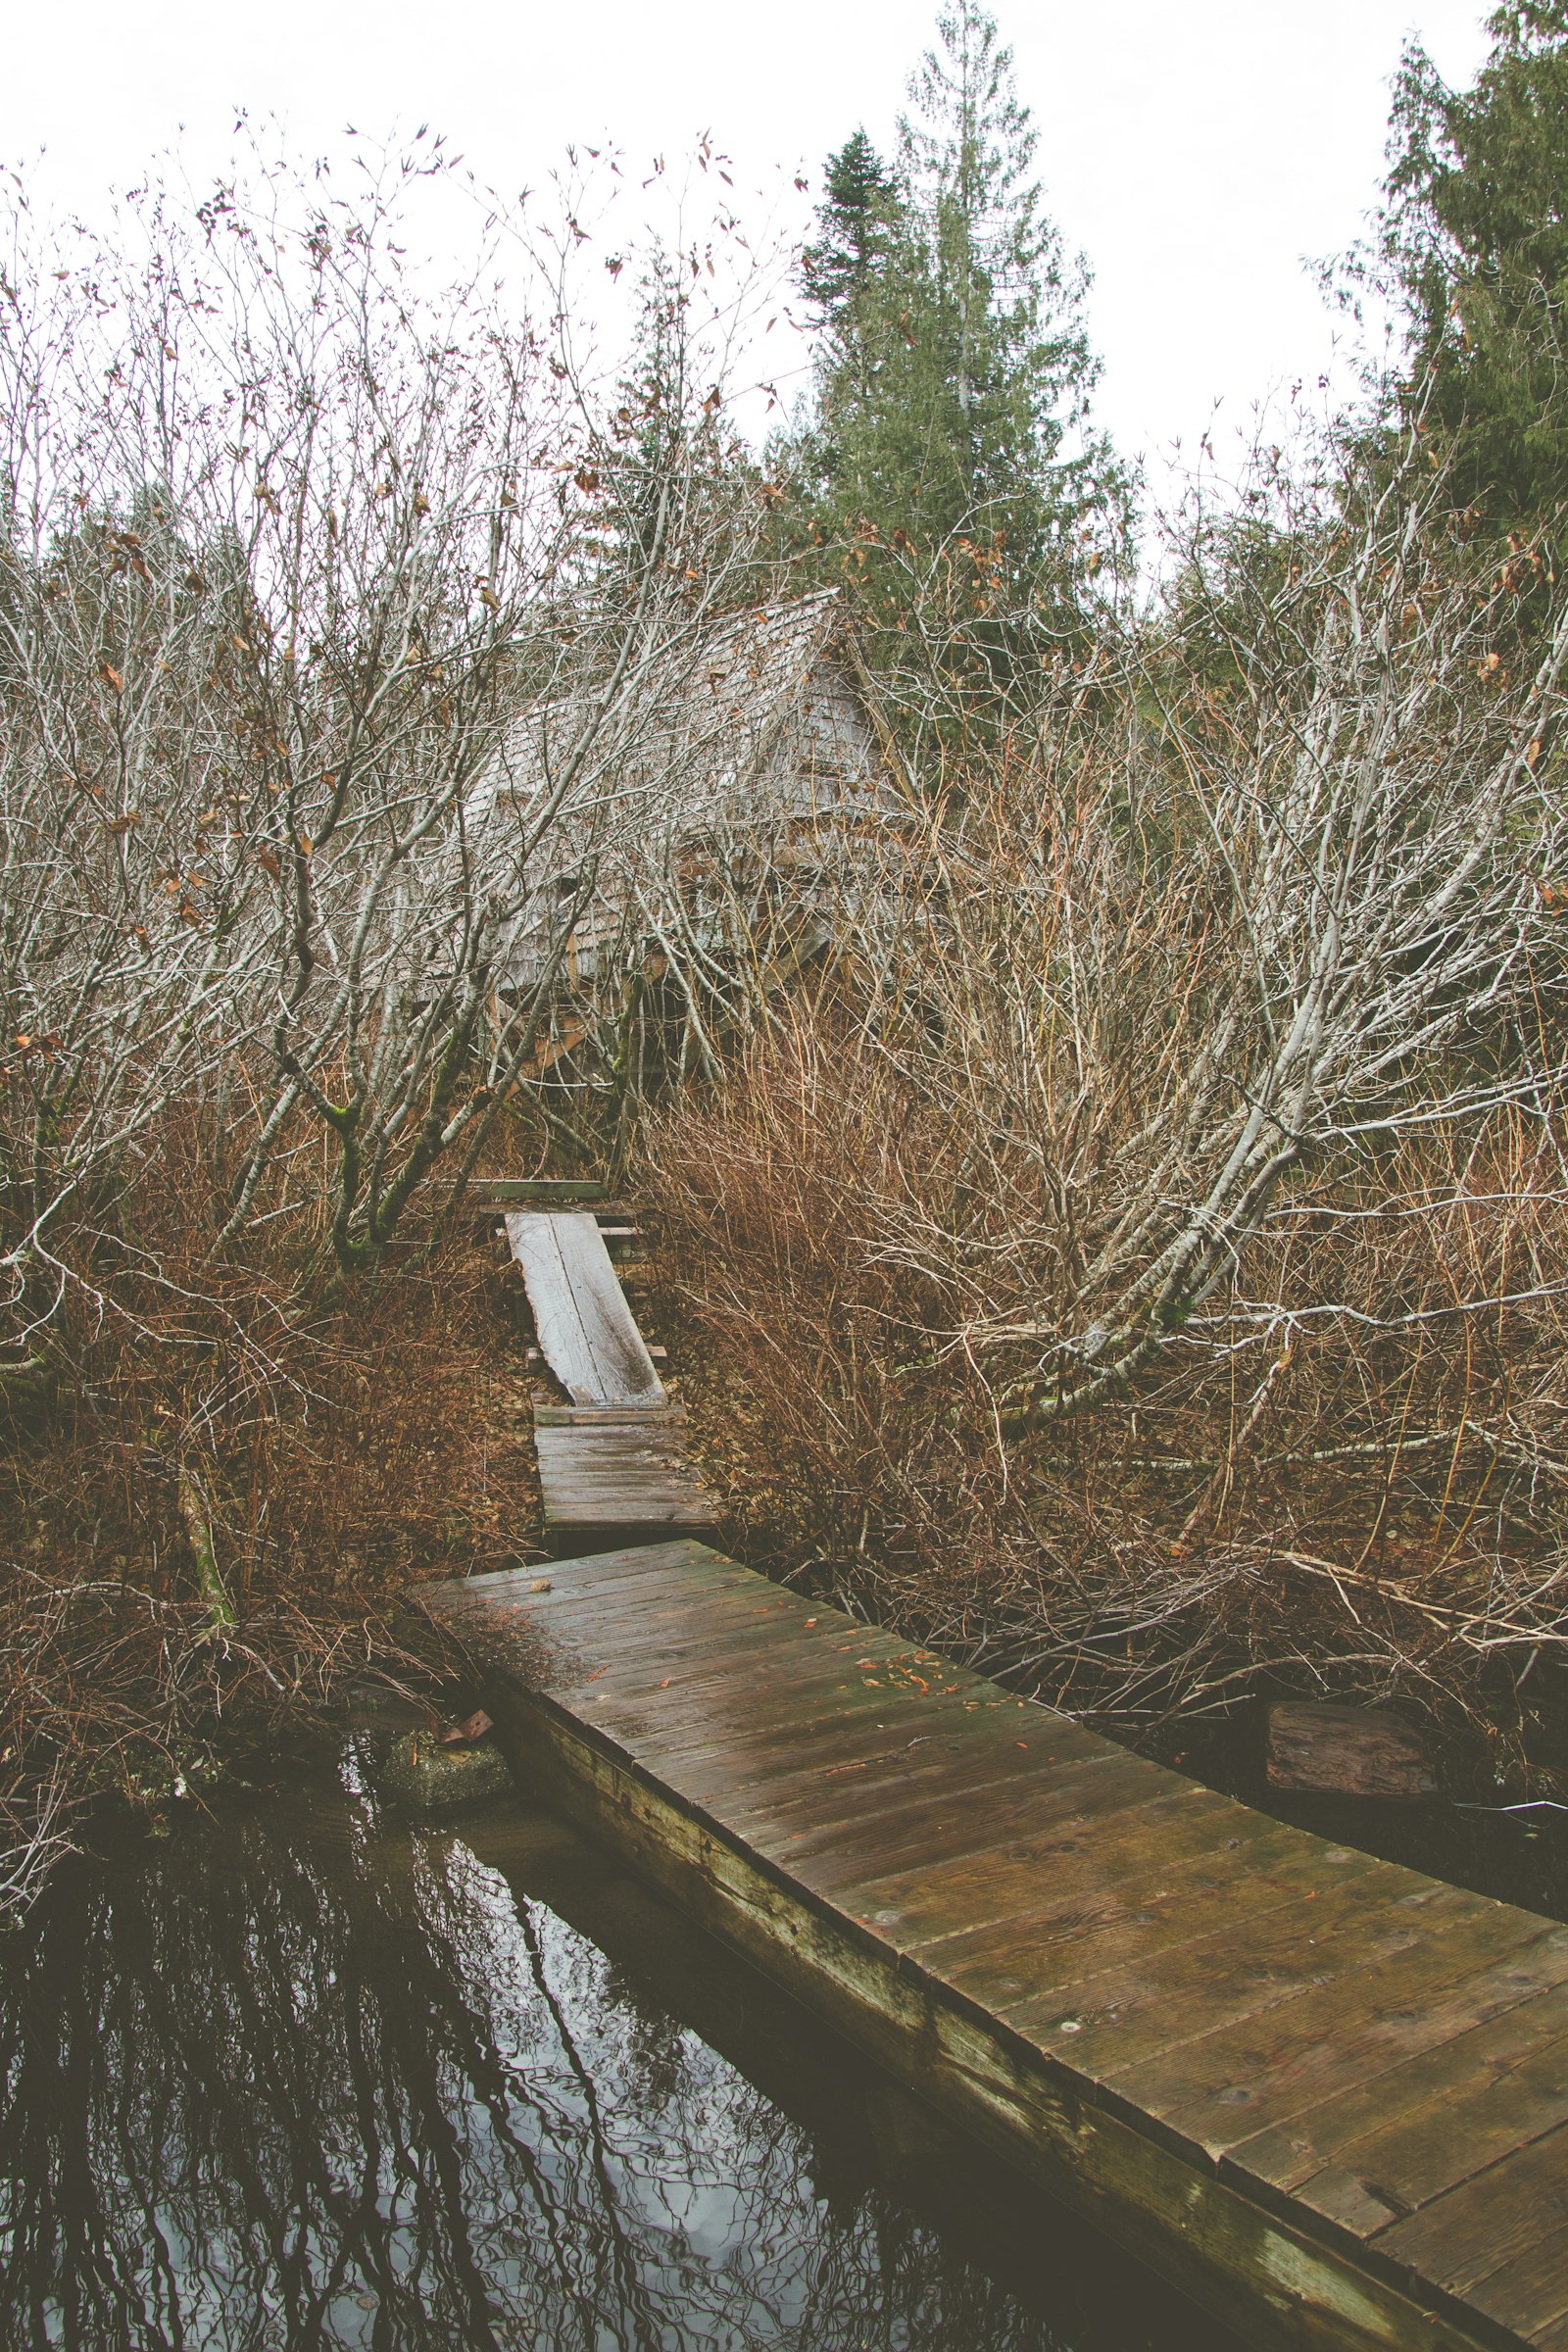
(1324, 2095)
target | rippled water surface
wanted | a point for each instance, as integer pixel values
(297, 2075)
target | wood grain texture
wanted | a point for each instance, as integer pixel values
(609, 1416)
(1325, 2094)
(586, 1332)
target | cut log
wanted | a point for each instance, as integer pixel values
(1346, 1752)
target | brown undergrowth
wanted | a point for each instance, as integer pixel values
(1343, 1477)
(211, 1522)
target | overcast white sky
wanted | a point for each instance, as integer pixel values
(1197, 151)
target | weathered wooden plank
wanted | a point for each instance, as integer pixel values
(1471, 1960)
(1137, 2025)
(997, 1883)
(620, 1481)
(1099, 1915)
(709, 1758)
(586, 1332)
(1501, 2240)
(944, 1832)
(1529, 2293)
(688, 1676)
(833, 1723)
(488, 1605)
(637, 1693)
(598, 1449)
(652, 1579)
(1414, 2131)
(826, 1808)
(669, 1415)
(841, 1733)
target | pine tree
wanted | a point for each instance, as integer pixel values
(1475, 241)
(853, 221)
(955, 370)
(967, 151)
(672, 480)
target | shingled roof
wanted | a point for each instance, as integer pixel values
(730, 779)
(690, 736)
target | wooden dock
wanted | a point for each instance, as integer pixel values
(1326, 2096)
(607, 1479)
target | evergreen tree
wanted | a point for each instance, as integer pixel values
(647, 468)
(671, 483)
(860, 204)
(1475, 240)
(954, 369)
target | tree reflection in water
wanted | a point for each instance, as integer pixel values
(298, 2076)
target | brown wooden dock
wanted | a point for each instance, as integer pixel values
(1328, 2098)
(609, 1478)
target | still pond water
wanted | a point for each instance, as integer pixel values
(301, 2074)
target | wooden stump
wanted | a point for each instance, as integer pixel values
(1346, 1752)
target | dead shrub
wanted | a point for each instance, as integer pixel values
(1141, 1267)
(213, 1518)
(1346, 1481)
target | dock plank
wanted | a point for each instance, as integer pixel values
(1454, 2110)
(587, 1335)
(1471, 1966)
(1134, 1985)
(617, 1483)
(1501, 2240)
(1100, 1920)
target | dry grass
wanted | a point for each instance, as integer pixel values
(1342, 1477)
(216, 1519)
(1142, 1268)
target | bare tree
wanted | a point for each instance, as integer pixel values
(293, 547)
(1149, 1257)
(329, 675)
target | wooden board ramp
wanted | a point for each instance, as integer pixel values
(612, 1467)
(1326, 2096)
(586, 1332)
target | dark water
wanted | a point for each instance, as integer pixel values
(299, 2075)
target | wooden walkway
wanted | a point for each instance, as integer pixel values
(612, 1466)
(1326, 2096)
(586, 1332)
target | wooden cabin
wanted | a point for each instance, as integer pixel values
(736, 792)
